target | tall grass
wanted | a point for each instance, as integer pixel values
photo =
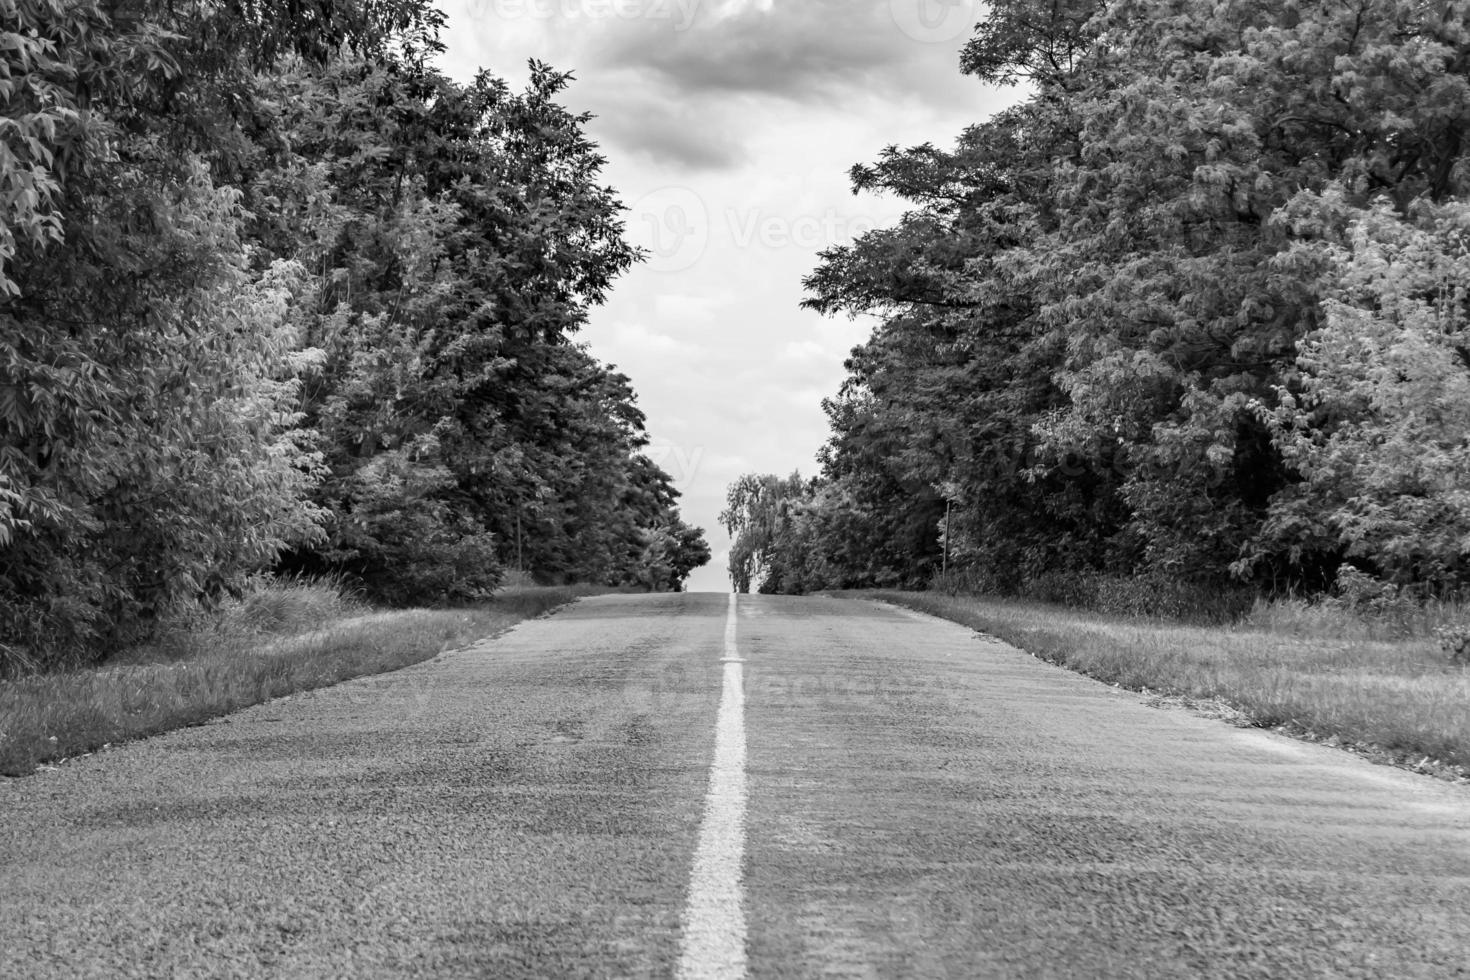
(282, 638)
(1383, 688)
(1332, 619)
(1149, 595)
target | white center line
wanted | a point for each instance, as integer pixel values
(714, 918)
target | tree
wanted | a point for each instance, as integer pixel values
(1097, 290)
(766, 516)
(1376, 422)
(461, 243)
(146, 364)
(264, 277)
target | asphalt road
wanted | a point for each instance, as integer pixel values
(895, 795)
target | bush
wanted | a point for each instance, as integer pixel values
(1161, 596)
(1069, 588)
(1374, 599)
(1455, 642)
(404, 538)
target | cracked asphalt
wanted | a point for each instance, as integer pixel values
(922, 802)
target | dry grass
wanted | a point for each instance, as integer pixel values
(285, 638)
(1313, 671)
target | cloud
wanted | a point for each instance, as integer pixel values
(729, 127)
(677, 83)
(690, 308)
(805, 350)
(783, 52)
(636, 338)
(805, 51)
(645, 123)
(840, 334)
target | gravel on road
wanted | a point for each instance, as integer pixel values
(920, 801)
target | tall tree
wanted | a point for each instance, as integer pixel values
(271, 284)
(145, 360)
(1097, 291)
(463, 242)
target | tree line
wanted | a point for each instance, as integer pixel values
(276, 294)
(1191, 316)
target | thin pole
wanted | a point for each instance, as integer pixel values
(945, 567)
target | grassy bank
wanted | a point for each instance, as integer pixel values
(284, 639)
(1320, 674)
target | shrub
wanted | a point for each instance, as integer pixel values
(403, 536)
(1152, 595)
(1157, 595)
(1373, 599)
(1455, 642)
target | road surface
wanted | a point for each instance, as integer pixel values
(656, 786)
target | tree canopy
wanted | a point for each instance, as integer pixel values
(277, 294)
(1191, 311)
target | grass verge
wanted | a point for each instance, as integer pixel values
(285, 638)
(1395, 701)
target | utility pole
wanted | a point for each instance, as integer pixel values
(945, 567)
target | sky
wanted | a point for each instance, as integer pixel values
(730, 127)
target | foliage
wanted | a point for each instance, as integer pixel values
(1376, 420)
(1455, 642)
(270, 284)
(147, 363)
(462, 243)
(147, 421)
(1185, 312)
(764, 517)
(403, 539)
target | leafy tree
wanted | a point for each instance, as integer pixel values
(874, 511)
(404, 539)
(264, 279)
(766, 518)
(1096, 291)
(1376, 422)
(146, 362)
(462, 238)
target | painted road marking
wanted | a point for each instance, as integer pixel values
(714, 919)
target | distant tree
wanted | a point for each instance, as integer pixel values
(463, 240)
(765, 517)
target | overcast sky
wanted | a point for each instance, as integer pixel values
(729, 128)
